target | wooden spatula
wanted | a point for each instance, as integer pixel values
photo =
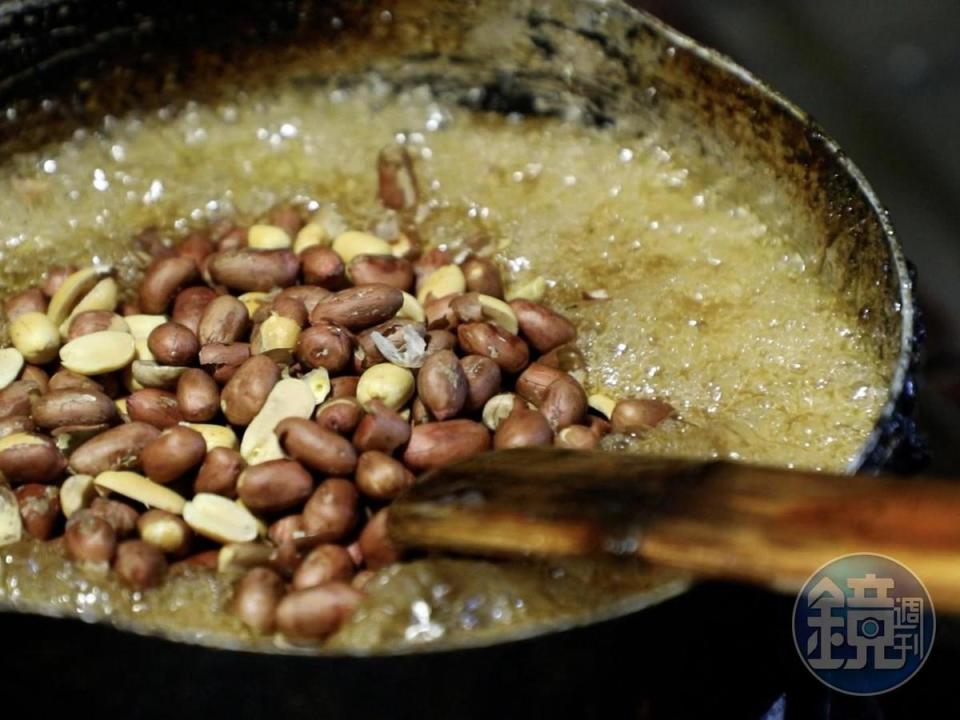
(760, 525)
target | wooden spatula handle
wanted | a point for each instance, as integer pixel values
(767, 526)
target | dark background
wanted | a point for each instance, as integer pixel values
(883, 78)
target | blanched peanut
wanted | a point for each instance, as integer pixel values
(439, 443)
(310, 235)
(220, 519)
(274, 485)
(543, 328)
(165, 531)
(445, 280)
(318, 380)
(289, 398)
(247, 391)
(89, 538)
(71, 291)
(442, 385)
(523, 428)
(390, 384)
(324, 563)
(140, 327)
(30, 458)
(256, 597)
(320, 450)
(411, 309)
(35, 337)
(634, 416)
(275, 338)
(216, 436)
(219, 473)
(257, 304)
(11, 526)
(237, 557)
(76, 493)
(268, 237)
(175, 452)
(332, 511)
(602, 404)
(11, 363)
(381, 477)
(151, 374)
(139, 564)
(381, 429)
(533, 289)
(102, 297)
(136, 487)
(492, 310)
(352, 243)
(98, 353)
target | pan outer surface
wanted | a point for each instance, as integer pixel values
(66, 62)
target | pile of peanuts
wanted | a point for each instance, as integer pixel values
(265, 395)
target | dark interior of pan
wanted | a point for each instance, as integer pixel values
(67, 63)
